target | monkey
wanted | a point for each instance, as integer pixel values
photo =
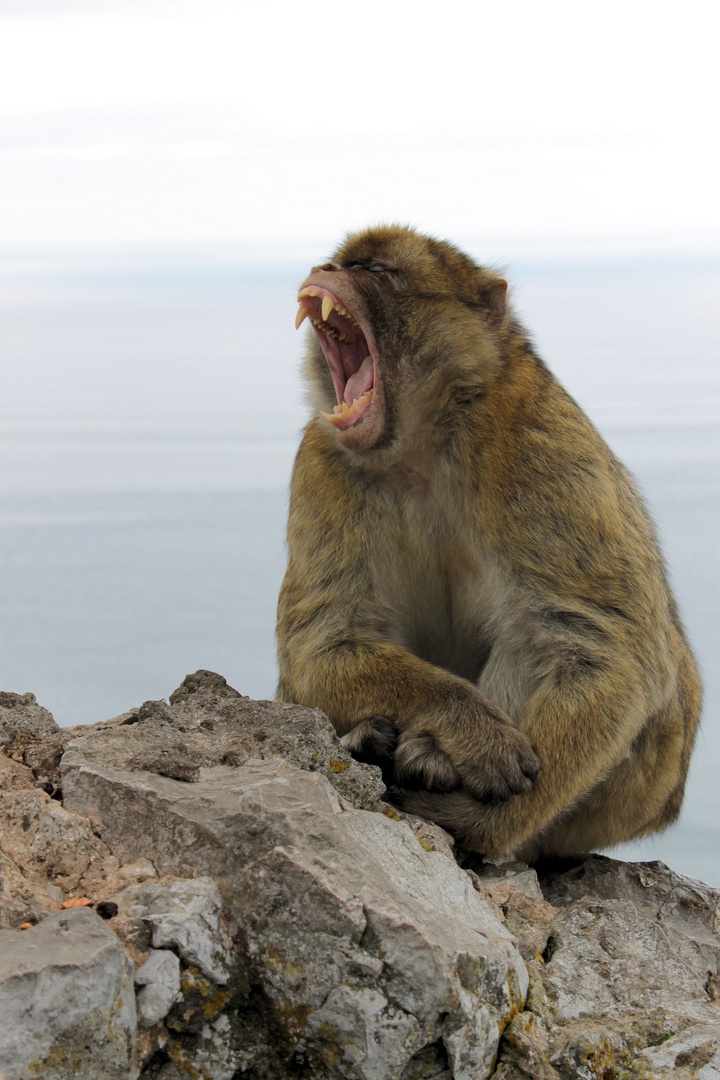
(474, 590)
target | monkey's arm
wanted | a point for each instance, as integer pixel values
(463, 738)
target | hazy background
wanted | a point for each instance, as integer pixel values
(168, 172)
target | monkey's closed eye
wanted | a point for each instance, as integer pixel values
(374, 268)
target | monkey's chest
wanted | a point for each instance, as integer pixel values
(437, 601)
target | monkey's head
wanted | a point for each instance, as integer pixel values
(406, 328)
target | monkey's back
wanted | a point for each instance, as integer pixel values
(574, 525)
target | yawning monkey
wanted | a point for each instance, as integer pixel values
(474, 587)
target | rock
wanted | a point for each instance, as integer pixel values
(22, 900)
(214, 1054)
(44, 757)
(368, 947)
(632, 936)
(22, 722)
(697, 1048)
(14, 776)
(50, 844)
(625, 978)
(499, 875)
(185, 916)
(159, 978)
(66, 1001)
(284, 921)
(46, 852)
(208, 725)
(132, 873)
(429, 835)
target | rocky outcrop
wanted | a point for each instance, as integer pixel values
(278, 919)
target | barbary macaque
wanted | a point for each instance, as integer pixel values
(474, 590)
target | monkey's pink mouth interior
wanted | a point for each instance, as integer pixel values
(349, 354)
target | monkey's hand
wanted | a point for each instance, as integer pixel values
(479, 750)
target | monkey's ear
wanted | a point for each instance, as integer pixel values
(492, 297)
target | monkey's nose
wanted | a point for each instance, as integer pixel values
(326, 266)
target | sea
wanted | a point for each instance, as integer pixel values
(150, 409)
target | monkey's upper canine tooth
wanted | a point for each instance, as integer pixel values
(327, 306)
(301, 316)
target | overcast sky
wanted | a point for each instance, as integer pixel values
(276, 123)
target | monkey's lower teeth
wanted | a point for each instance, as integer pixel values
(343, 413)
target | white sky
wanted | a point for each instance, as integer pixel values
(277, 123)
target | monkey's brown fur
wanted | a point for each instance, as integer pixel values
(471, 561)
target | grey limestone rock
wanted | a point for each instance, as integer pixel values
(368, 947)
(66, 1001)
(185, 916)
(210, 726)
(214, 1054)
(633, 936)
(498, 874)
(697, 1048)
(159, 979)
(625, 983)
(285, 922)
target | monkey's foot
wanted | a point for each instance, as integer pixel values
(420, 763)
(373, 742)
(455, 811)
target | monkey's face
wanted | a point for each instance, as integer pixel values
(402, 324)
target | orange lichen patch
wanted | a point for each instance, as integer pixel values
(294, 1018)
(80, 901)
(215, 1005)
(177, 1054)
(276, 962)
(26, 925)
(517, 1002)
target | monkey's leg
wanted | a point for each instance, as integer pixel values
(641, 795)
(472, 741)
(581, 733)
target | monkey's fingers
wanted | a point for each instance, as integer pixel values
(420, 763)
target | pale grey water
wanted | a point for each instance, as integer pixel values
(148, 423)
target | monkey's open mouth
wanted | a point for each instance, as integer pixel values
(349, 355)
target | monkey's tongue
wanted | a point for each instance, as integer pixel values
(357, 398)
(360, 381)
